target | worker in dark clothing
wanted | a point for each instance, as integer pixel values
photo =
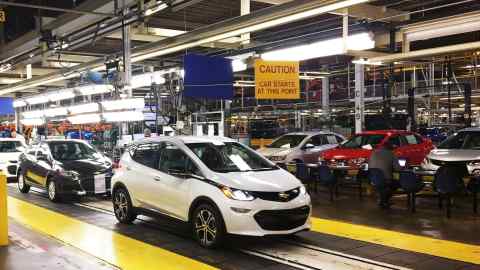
(385, 160)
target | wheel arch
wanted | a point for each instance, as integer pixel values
(200, 200)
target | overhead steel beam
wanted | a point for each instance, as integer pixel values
(259, 20)
(76, 11)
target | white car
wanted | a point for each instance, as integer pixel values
(216, 184)
(10, 150)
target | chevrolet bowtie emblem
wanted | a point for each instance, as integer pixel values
(283, 195)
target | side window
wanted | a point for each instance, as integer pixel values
(173, 159)
(411, 139)
(331, 139)
(339, 139)
(315, 140)
(147, 154)
(395, 141)
(419, 139)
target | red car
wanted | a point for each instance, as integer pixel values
(357, 150)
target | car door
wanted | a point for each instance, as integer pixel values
(172, 164)
(399, 147)
(310, 155)
(417, 149)
(27, 161)
(142, 175)
(43, 165)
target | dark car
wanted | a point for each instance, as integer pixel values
(64, 167)
(435, 134)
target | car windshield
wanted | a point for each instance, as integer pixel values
(462, 140)
(10, 146)
(63, 151)
(229, 157)
(363, 140)
(287, 141)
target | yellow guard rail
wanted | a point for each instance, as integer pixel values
(3, 210)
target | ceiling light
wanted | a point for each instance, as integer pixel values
(94, 89)
(55, 112)
(123, 116)
(362, 41)
(147, 79)
(32, 114)
(84, 119)
(19, 103)
(155, 9)
(61, 95)
(37, 99)
(238, 65)
(365, 61)
(33, 122)
(84, 108)
(122, 104)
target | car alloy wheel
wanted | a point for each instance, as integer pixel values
(22, 186)
(52, 191)
(206, 227)
(122, 206)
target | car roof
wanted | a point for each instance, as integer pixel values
(62, 140)
(476, 129)
(386, 132)
(11, 139)
(310, 133)
(187, 139)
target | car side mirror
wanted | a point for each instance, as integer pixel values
(308, 146)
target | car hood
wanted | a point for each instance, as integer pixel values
(346, 153)
(454, 154)
(270, 181)
(268, 152)
(5, 157)
(86, 166)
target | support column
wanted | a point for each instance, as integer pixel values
(127, 62)
(359, 94)
(326, 97)
(345, 32)
(244, 10)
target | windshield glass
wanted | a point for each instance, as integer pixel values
(10, 146)
(462, 140)
(229, 157)
(287, 141)
(72, 151)
(359, 141)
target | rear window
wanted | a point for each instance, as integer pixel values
(467, 140)
(412, 139)
(359, 141)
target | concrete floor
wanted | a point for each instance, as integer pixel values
(29, 250)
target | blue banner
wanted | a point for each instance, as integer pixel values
(6, 106)
(208, 77)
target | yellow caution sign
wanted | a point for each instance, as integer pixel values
(3, 210)
(277, 79)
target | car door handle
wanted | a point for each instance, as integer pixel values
(157, 178)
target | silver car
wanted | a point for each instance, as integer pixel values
(460, 149)
(303, 147)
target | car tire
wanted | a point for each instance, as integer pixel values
(52, 191)
(122, 206)
(22, 185)
(208, 226)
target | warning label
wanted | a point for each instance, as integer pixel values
(277, 80)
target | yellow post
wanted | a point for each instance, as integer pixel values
(3, 210)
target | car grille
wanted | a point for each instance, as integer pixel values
(279, 220)
(337, 162)
(448, 163)
(277, 196)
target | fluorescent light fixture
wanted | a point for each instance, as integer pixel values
(127, 116)
(19, 103)
(155, 9)
(364, 61)
(55, 112)
(84, 119)
(238, 65)
(471, 66)
(147, 79)
(37, 99)
(357, 42)
(61, 95)
(33, 122)
(84, 108)
(94, 89)
(33, 114)
(123, 104)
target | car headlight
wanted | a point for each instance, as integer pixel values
(75, 176)
(303, 190)
(237, 194)
(474, 163)
(278, 158)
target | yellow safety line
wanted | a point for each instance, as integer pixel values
(114, 248)
(421, 244)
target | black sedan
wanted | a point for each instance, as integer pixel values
(64, 167)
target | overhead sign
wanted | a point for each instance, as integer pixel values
(277, 79)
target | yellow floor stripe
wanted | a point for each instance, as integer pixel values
(441, 248)
(116, 249)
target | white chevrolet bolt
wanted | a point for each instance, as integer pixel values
(215, 184)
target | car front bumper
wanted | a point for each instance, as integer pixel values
(267, 217)
(10, 171)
